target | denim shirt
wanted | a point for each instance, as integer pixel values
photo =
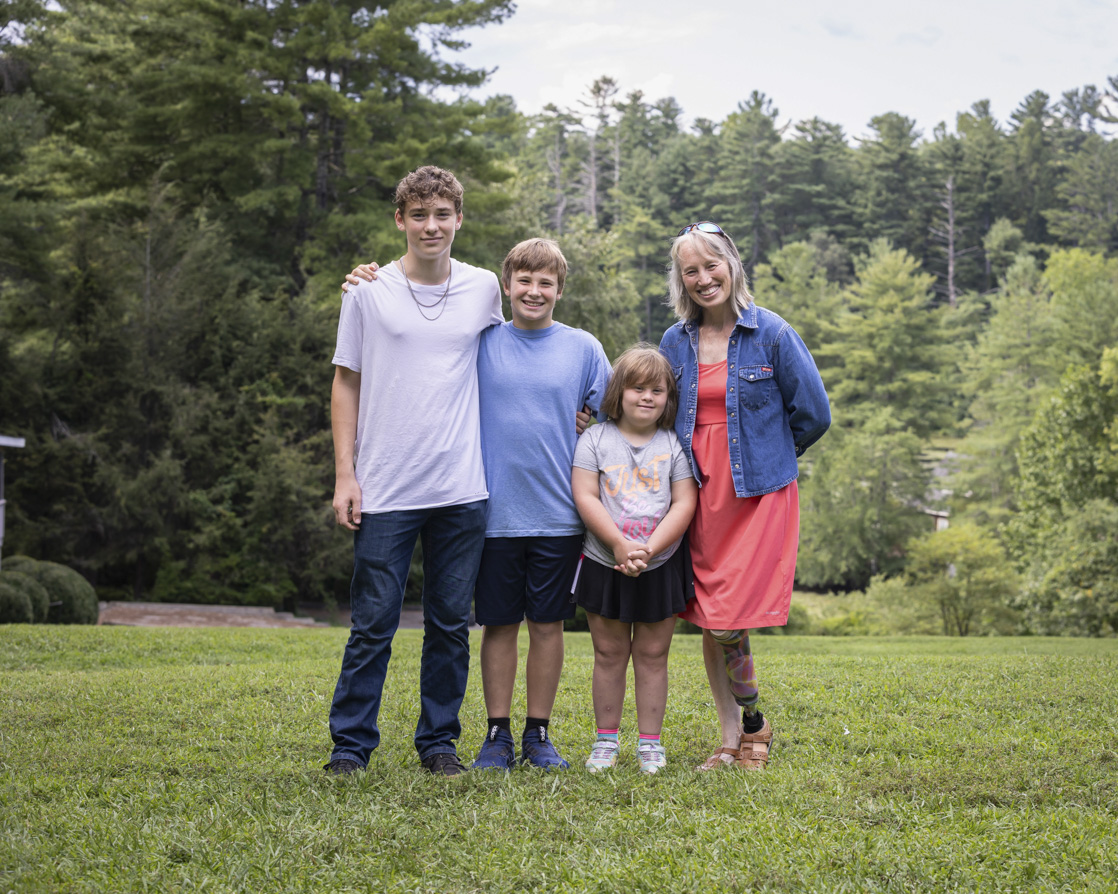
(776, 405)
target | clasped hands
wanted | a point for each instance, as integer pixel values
(632, 558)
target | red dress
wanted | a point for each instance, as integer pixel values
(743, 549)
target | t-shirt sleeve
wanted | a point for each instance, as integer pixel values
(681, 467)
(496, 315)
(600, 371)
(586, 450)
(351, 329)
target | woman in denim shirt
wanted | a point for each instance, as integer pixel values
(751, 401)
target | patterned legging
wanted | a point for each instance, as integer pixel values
(739, 666)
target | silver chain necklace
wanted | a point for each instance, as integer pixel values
(420, 306)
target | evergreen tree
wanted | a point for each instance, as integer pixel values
(817, 182)
(742, 196)
(886, 351)
(893, 199)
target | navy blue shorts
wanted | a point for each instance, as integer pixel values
(526, 577)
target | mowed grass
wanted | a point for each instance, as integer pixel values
(190, 760)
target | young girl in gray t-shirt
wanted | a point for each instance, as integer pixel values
(633, 488)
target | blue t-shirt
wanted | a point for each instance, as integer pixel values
(532, 382)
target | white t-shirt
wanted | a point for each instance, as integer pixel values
(418, 433)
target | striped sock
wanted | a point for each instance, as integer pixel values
(608, 733)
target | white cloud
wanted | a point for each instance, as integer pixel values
(844, 64)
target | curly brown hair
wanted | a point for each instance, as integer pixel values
(426, 184)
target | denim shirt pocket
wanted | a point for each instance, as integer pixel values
(756, 386)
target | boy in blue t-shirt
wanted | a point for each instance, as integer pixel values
(532, 373)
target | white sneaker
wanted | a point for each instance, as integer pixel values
(653, 757)
(603, 755)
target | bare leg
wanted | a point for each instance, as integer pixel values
(499, 658)
(544, 666)
(612, 645)
(729, 714)
(650, 671)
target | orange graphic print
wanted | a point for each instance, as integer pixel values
(636, 490)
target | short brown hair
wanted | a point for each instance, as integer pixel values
(642, 364)
(426, 184)
(533, 255)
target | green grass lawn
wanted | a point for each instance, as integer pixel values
(171, 760)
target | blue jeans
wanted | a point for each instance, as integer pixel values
(452, 537)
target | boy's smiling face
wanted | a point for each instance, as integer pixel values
(429, 227)
(533, 296)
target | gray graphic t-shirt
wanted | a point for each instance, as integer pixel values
(635, 484)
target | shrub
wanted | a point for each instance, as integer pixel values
(964, 571)
(72, 598)
(18, 563)
(36, 592)
(15, 606)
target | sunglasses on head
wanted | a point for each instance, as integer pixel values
(703, 226)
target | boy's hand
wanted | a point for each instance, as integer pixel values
(582, 419)
(367, 272)
(347, 504)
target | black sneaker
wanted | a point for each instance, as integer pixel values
(343, 766)
(444, 763)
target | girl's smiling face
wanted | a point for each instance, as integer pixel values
(643, 403)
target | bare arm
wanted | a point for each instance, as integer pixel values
(582, 419)
(344, 399)
(685, 496)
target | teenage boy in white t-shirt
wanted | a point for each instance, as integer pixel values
(408, 464)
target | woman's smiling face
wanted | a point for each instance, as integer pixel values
(706, 276)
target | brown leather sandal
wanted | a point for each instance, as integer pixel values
(715, 762)
(753, 753)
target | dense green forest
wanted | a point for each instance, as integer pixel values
(183, 183)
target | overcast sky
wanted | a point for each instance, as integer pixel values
(845, 62)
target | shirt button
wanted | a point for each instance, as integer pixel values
(737, 465)
(751, 377)
(731, 366)
(735, 440)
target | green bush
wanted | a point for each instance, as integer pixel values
(72, 598)
(36, 592)
(799, 621)
(17, 563)
(15, 606)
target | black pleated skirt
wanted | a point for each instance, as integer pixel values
(648, 598)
